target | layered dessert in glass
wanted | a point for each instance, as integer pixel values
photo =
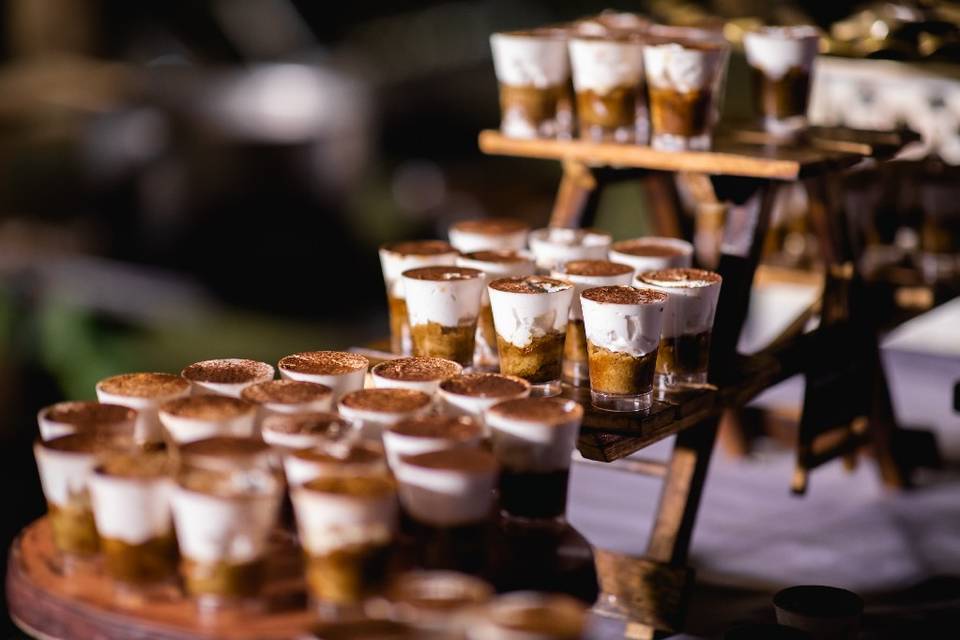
(623, 327)
(347, 525)
(443, 303)
(685, 86)
(420, 373)
(433, 601)
(692, 294)
(64, 418)
(530, 317)
(395, 258)
(304, 430)
(533, 73)
(226, 376)
(608, 80)
(585, 274)
(371, 410)
(144, 392)
(652, 253)
(342, 371)
(288, 397)
(552, 246)
(489, 234)
(471, 394)
(781, 62)
(350, 458)
(494, 264)
(204, 416)
(414, 436)
(533, 440)
(528, 614)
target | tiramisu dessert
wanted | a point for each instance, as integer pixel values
(608, 80)
(435, 601)
(652, 253)
(585, 274)
(395, 258)
(131, 506)
(303, 430)
(143, 392)
(623, 332)
(494, 264)
(347, 526)
(530, 316)
(420, 373)
(489, 234)
(684, 82)
(226, 376)
(205, 416)
(64, 418)
(443, 303)
(288, 397)
(533, 440)
(684, 352)
(781, 59)
(227, 455)
(414, 436)
(529, 614)
(473, 393)
(337, 459)
(449, 496)
(533, 72)
(609, 22)
(223, 523)
(553, 246)
(342, 371)
(373, 409)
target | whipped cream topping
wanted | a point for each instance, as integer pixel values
(529, 60)
(677, 253)
(189, 428)
(776, 50)
(148, 428)
(398, 444)
(446, 497)
(683, 69)
(624, 328)
(519, 318)
(327, 522)
(533, 445)
(133, 510)
(300, 469)
(554, 246)
(691, 304)
(370, 422)
(394, 263)
(458, 403)
(497, 269)
(64, 474)
(469, 238)
(341, 380)
(447, 302)
(581, 282)
(226, 376)
(603, 65)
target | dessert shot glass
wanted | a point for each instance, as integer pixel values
(494, 264)
(533, 440)
(226, 376)
(522, 615)
(530, 316)
(489, 234)
(204, 416)
(584, 274)
(342, 371)
(781, 61)
(288, 397)
(337, 459)
(622, 326)
(347, 527)
(304, 430)
(692, 295)
(414, 436)
(64, 418)
(608, 80)
(471, 394)
(443, 303)
(533, 72)
(685, 86)
(433, 601)
(144, 392)
(552, 246)
(652, 253)
(395, 258)
(419, 373)
(371, 410)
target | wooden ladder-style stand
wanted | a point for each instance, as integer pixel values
(651, 592)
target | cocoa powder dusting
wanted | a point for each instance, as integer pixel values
(386, 400)
(87, 414)
(419, 247)
(445, 427)
(459, 459)
(227, 371)
(324, 363)
(144, 385)
(206, 407)
(647, 247)
(320, 423)
(595, 268)
(680, 277)
(492, 226)
(485, 385)
(417, 368)
(624, 295)
(443, 273)
(530, 284)
(285, 392)
(553, 411)
(502, 257)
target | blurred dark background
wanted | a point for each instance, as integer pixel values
(183, 180)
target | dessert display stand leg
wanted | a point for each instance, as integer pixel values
(577, 196)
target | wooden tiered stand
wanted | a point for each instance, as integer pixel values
(846, 404)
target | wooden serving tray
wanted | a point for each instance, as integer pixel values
(47, 604)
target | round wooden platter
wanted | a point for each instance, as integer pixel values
(84, 605)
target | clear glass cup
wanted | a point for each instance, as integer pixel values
(533, 72)
(342, 371)
(553, 246)
(291, 432)
(692, 295)
(443, 304)
(530, 315)
(584, 274)
(419, 373)
(288, 397)
(372, 410)
(622, 326)
(433, 601)
(144, 392)
(523, 615)
(68, 417)
(489, 234)
(685, 89)
(652, 253)
(204, 416)
(334, 459)
(471, 394)
(395, 258)
(414, 436)
(226, 376)
(608, 81)
(781, 62)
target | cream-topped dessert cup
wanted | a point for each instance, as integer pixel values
(489, 234)
(419, 373)
(443, 303)
(342, 371)
(553, 246)
(473, 393)
(608, 80)
(288, 397)
(291, 432)
(109, 419)
(781, 61)
(434, 601)
(204, 416)
(532, 71)
(622, 325)
(347, 526)
(144, 392)
(226, 376)
(684, 354)
(685, 87)
(395, 258)
(336, 459)
(530, 315)
(524, 615)
(651, 253)
(371, 410)
(584, 274)
(430, 433)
